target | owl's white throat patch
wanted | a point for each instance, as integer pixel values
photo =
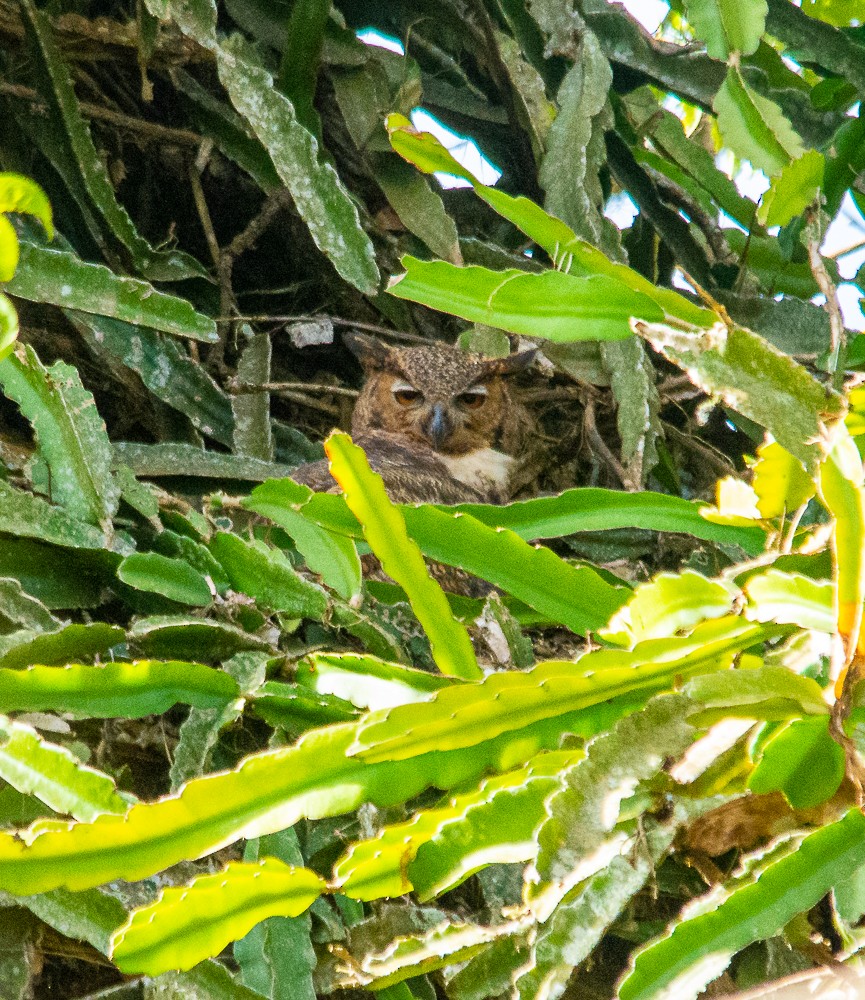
(481, 469)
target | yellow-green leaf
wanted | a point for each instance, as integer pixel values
(754, 127)
(384, 529)
(793, 190)
(8, 326)
(727, 25)
(188, 924)
(780, 481)
(841, 489)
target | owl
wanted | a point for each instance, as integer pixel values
(437, 424)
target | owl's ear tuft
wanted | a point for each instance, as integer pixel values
(511, 365)
(371, 353)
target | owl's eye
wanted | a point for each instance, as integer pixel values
(406, 395)
(474, 398)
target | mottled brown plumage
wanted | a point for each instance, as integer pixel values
(437, 424)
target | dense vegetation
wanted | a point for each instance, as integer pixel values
(230, 766)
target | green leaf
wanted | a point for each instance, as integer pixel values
(700, 944)
(296, 710)
(841, 13)
(576, 596)
(544, 517)
(414, 954)
(850, 897)
(17, 194)
(781, 483)
(489, 973)
(318, 193)
(168, 372)
(632, 380)
(216, 119)
(755, 127)
(60, 278)
(770, 693)
(301, 56)
(728, 26)
(8, 326)
(575, 149)
(141, 497)
(115, 690)
(272, 790)
(842, 489)
(576, 925)
(366, 681)
(551, 304)
(595, 509)
(424, 150)
(534, 112)
(188, 924)
(793, 190)
(196, 18)
(334, 557)
(458, 715)
(209, 980)
(568, 252)
(277, 957)
(79, 163)
(197, 555)
(774, 271)
(788, 597)
(28, 516)
(201, 729)
(181, 637)
(54, 775)
(667, 604)
(419, 208)
(385, 531)
(174, 459)
(439, 848)
(755, 379)
(583, 810)
(253, 434)
(173, 578)
(70, 643)
(687, 162)
(266, 574)
(268, 791)
(9, 252)
(802, 761)
(71, 434)
(68, 579)
(89, 916)
(19, 608)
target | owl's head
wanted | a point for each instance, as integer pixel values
(434, 394)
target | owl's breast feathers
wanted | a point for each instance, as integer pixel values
(414, 473)
(484, 469)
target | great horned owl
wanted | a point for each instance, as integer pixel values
(437, 424)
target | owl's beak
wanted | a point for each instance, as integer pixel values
(438, 427)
